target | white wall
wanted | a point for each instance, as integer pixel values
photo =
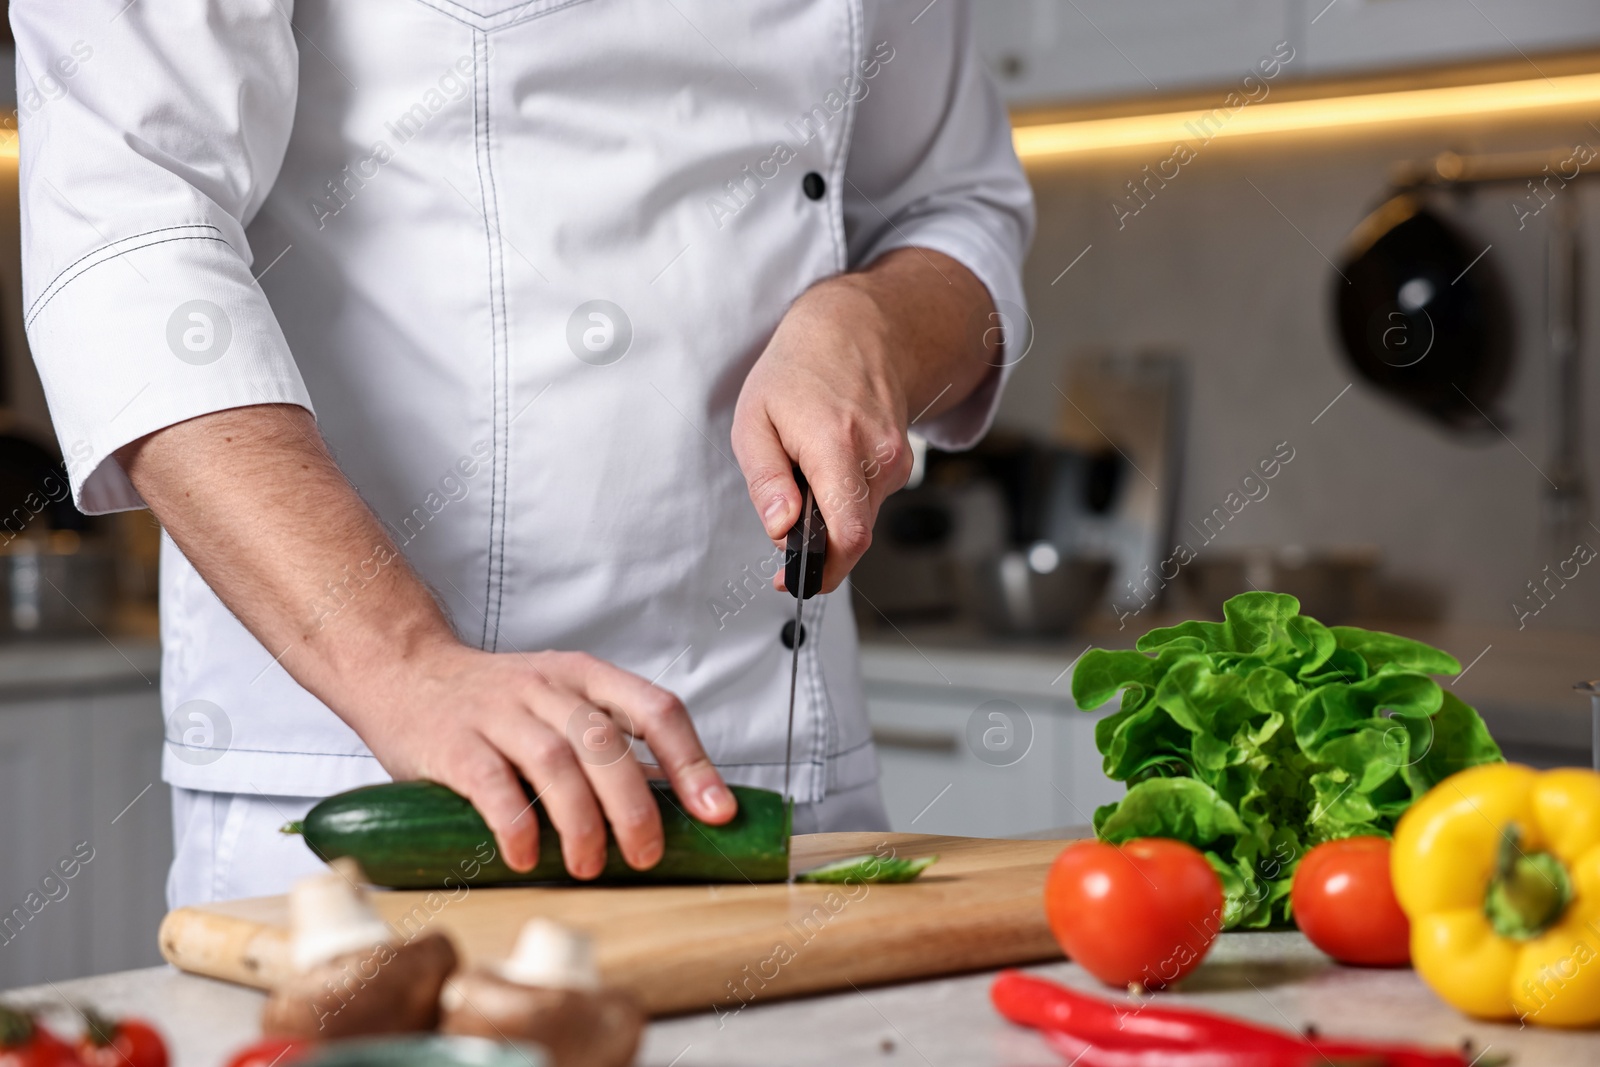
(1211, 269)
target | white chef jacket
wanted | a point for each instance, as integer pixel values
(518, 256)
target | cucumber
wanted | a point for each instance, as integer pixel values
(867, 870)
(422, 835)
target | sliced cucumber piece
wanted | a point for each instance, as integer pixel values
(869, 870)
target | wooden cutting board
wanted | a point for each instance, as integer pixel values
(699, 948)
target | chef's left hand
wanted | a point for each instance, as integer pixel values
(854, 358)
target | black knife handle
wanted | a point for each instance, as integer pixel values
(816, 555)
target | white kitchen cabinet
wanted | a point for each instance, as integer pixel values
(1362, 35)
(130, 817)
(1048, 51)
(992, 752)
(80, 739)
(42, 914)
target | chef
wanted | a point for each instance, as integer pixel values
(463, 348)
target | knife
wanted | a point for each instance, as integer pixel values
(803, 561)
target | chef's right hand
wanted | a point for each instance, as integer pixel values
(564, 721)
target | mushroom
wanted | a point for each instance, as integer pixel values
(350, 976)
(549, 993)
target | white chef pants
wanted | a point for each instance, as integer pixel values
(228, 845)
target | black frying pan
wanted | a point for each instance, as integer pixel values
(1422, 317)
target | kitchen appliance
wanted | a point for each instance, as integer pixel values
(1034, 591)
(55, 586)
(1423, 317)
(908, 575)
(690, 948)
(1333, 585)
(1096, 501)
(56, 578)
(940, 549)
(1130, 406)
(1593, 689)
(1565, 494)
(1012, 575)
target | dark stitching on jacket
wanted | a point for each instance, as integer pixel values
(111, 259)
(502, 392)
(841, 166)
(479, 88)
(112, 244)
(494, 576)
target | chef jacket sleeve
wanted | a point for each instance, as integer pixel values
(150, 132)
(932, 166)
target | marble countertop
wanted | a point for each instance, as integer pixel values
(1273, 978)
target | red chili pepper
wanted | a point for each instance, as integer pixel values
(1122, 1050)
(1045, 1005)
(1106, 1034)
(1030, 1001)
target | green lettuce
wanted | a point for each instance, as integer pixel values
(1257, 738)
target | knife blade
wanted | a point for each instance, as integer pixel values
(805, 555)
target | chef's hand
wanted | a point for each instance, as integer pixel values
(853, 359)
(564, 722)
(230, 488)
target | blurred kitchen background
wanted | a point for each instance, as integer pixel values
(1429, 474)
(1309, 310)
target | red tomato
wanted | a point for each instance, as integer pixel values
(270, 1052)
(26, 1043)
(1144, 912)
(122, 1043)
(1343, 900)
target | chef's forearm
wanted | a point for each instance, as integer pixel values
(256, 502)
(935, 315)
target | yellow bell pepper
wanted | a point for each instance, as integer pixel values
(1498, 868)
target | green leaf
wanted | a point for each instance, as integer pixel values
(1146, 739)
(1381, 650)
(1370, 755)
(1254, 624)
(1101, 672)
(1212, 707)
(1454, 739)
(1271, 691)
(1101, 814)
(1342, 665)
(1339, 805)
(1313, 642)
(1238, 892)
(1179, 808)
(1335, 709)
